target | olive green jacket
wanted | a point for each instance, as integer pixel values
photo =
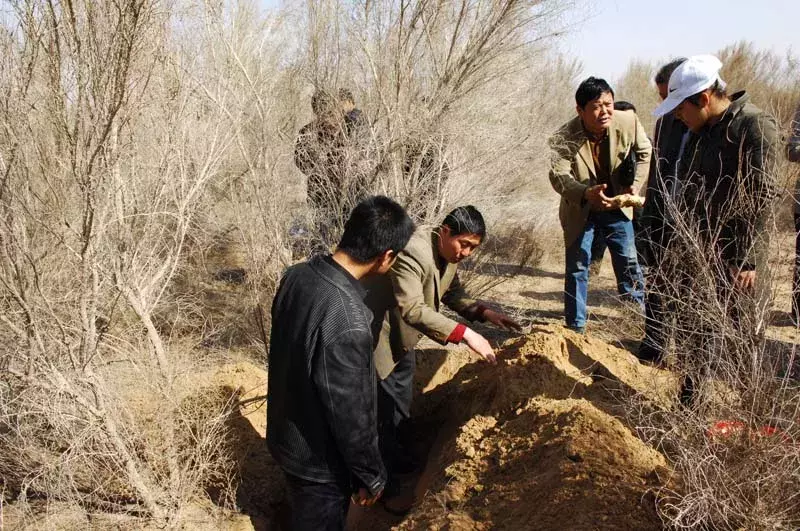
(572, 168)
(728, 182)
(405, 303)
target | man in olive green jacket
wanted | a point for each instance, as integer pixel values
(725, 204)
(587, 157)
(407, 308)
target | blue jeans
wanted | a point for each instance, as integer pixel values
(617, 231)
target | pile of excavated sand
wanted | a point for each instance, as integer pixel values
(535, 443)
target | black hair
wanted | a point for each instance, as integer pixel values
(346, 94)
(465, 220)
(664, 73)
(376, 225)
(624, 106)
(716, 89)
(322, 102)
(590, 89)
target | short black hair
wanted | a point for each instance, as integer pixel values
(624, 106)
(322, 102)
(376, 225)
(590, 89)
(716, 89)
(465, 220)
(665, 72)
(346, 94)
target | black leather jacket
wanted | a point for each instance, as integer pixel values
(321, 410)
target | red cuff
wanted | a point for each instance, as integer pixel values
(457, 334)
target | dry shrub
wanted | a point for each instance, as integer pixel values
(457, 97)
(119, 133)
(749, 479)
(715, 338)
(515, 249)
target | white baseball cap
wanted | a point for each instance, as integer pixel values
(694, 75)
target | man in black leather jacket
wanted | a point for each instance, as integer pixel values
(321, 414)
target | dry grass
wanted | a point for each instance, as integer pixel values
(149, 200)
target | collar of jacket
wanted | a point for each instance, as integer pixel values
(591, 137)
(579, 134)
(738, 101)
(336, 277)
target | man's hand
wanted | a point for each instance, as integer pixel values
(596, 198)
(478, 343)
(363, 499)
(501, 320)
(742, 280)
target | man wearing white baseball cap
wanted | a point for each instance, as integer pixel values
(727, 179)
(693, 76)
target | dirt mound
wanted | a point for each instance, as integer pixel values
(535, 443)
(532, 443)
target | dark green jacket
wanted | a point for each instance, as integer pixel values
(727, 179)
(655, 230)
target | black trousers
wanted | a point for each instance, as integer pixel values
(653, 344)
(394, 406)
(317, 506)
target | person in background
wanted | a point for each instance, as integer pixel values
(334, 153)
(322, 426)
(353, 117)
(669, 137)
(793, 153)
(587, 153)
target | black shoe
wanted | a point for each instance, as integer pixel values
(399, 504)
(649, 354)
(404, 463)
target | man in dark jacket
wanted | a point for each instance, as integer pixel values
(321, 414)
(726, 176)
(334, 152)
(654, 227)
(793, 152)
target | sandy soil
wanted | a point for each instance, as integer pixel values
(538, 441)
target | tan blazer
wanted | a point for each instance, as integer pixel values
(408, 299)
(572, 167)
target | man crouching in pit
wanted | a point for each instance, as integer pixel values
(587, 158)
(321, 414)
(406, 305)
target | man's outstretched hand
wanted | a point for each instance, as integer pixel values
(479, 344)
(502, 320)
(597, 198)
(743, 280)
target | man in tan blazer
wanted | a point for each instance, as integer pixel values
(407, 308)
(588, 152)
